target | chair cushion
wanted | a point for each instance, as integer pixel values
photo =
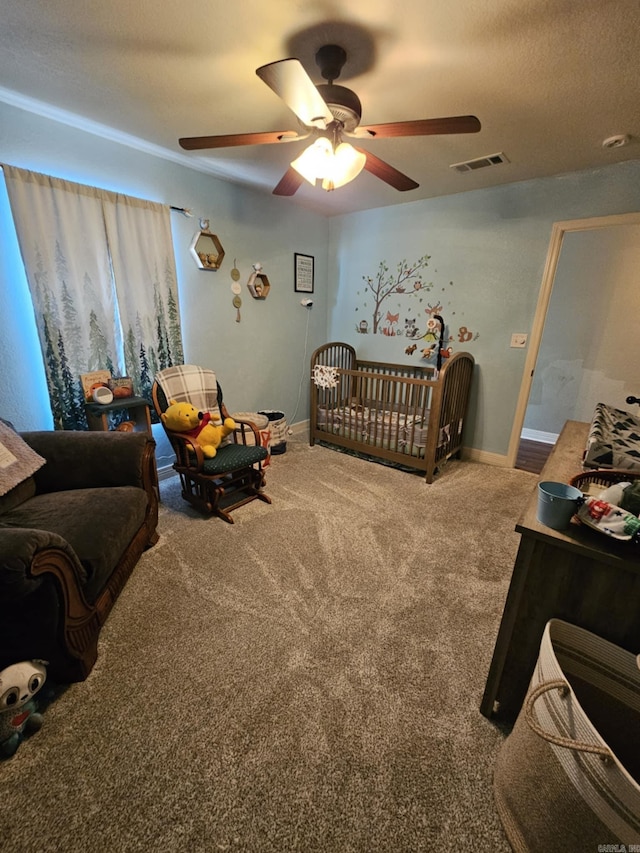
(98, 524)
(232, 457)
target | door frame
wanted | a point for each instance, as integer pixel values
(558, 232)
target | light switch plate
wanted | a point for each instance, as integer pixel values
(518, 340)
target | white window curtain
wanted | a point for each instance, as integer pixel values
(102, 278)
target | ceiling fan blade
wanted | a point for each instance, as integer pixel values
(421, 127)
(387, 173)
(288, 79)
(289, 183)
(196, 143)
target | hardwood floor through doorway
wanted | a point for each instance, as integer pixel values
(532, 455)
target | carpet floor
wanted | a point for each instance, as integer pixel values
(307, 679)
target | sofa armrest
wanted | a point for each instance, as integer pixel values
(43, 608)
(21, 548)
(80, 460)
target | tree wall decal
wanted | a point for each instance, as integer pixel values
(405, 283)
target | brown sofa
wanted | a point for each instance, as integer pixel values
(70, 536)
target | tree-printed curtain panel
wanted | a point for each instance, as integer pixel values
(102, 277)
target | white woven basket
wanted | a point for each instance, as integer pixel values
(567, 777)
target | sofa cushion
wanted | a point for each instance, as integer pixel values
(18, 495)
(98, 524)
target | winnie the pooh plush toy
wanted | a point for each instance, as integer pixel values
(183, 417)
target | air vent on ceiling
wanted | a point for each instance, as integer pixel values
(480, 163)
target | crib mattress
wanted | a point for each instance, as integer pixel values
(613, 440)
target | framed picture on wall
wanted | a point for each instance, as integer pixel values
(303, 273)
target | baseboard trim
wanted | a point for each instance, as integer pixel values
(538, 435)
(299, 427)
(497, 460)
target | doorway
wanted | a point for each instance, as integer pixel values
(583, 283)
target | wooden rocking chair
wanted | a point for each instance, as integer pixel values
(234, 476)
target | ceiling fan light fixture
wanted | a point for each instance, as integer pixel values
(315, 161)
(334, 168)
(347, 163)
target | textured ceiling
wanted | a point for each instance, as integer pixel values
(548, 79)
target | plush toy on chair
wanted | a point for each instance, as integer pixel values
(18, 712)
(185, 418)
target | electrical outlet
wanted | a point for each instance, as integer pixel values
(518, 340)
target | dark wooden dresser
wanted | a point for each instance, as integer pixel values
(577, 574)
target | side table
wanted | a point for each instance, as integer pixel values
(138, 407)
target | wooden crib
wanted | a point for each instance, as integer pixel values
(401, 413)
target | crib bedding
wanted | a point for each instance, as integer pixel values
(389, 434)
(389, 430)
(410, 450)
(613, 440)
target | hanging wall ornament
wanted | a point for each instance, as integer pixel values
(237, 302)
(236, 289)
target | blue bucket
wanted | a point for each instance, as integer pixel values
(557, 504)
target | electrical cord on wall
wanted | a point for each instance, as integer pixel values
(304, 365)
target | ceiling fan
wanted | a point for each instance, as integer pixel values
(329, 113)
